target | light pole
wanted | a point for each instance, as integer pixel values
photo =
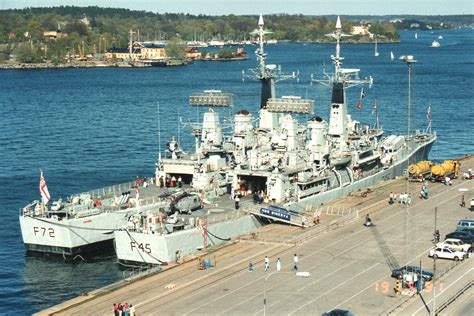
(409, 60)
(298, 274)
(435, 241)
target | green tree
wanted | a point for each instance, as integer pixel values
(225, 53)
(28, 53)
(175, 49)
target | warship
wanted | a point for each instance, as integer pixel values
(283, 165)
(277, 167)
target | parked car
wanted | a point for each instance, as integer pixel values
(466, 236)
(456, 244)
(465, 224)
(399, 272)
(447, 253)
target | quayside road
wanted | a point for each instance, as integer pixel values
(349, 265)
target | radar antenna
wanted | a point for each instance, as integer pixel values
(348, 76)
(264, 71)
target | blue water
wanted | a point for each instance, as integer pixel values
(87, 128)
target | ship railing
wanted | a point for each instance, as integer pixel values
(106, 192)
(343, 216)
(334, 210)
(226, 216)
(88, 210)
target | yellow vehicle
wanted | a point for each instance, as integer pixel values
(449, 168)
(420, 170)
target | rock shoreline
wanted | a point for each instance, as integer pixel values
(83, 64)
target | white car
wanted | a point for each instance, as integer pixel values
(447, 253)
(453, 243)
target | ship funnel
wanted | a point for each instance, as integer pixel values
(260, 20)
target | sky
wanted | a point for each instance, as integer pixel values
(241, 7)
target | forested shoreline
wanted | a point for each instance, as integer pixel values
(95, 29)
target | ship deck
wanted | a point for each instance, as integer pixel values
(349, 264)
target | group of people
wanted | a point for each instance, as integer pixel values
(266, 264)
(124, 309)
(405, 198)
(170, 182)
(258, 197)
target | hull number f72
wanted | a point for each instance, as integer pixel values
(43, 231)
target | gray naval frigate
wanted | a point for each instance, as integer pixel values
(282, 163)
(279, 161)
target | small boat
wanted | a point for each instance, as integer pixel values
(435, 44)
(440, 37)
(392, 56)
(376, 54)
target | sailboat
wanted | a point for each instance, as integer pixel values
(392, 56)
(416, 35)
(376, 54)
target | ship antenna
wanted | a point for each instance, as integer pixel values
(260, 52)
(337, 36)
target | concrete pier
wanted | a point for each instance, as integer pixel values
(349, 264)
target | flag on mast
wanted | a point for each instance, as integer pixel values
(362, 96)
(45, 197)
(374, 108)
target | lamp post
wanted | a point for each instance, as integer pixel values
(298, 274)
(409, 60)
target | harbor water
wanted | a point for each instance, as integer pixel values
(89, 128)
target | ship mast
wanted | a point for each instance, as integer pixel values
(268, 75)
(339, 81)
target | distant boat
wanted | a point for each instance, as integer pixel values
(416, 35)
(376, 54)
(440, 37)
(392, 56)
(216, 43)
(435, 44)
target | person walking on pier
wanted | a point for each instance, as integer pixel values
(278, 265)
(295, 261)
(237, 202)
(267, 263)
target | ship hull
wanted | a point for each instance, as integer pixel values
(151, 249)
(71, 237)
(398, 168)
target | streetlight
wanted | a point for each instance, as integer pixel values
(409, 60)
(298, 274)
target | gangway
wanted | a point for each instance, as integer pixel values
(255, 213)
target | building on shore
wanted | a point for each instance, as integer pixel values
(138, 51)
(362, 29)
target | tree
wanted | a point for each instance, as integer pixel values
(175, 49)
(28, 53)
